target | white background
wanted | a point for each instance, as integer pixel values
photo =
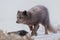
(9, 8)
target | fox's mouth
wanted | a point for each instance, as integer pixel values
(18, 22)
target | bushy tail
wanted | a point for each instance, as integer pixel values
(51, 29)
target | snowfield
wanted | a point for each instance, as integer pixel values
(50, 36)
(40, 36)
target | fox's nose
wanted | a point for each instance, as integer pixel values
(16, 21)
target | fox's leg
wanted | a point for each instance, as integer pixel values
(45, 26)
(34, 32)
(31, 27)
(46, 30)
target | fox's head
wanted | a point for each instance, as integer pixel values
(23, 16)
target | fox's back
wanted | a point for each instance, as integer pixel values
(38, 9)
(39, 12)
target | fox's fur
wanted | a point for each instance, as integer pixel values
(35, 16)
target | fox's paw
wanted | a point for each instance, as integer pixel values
(33, 34)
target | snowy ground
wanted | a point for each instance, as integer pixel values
(41, 35)
(50, 36)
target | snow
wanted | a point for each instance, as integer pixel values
(50, 36)
(41, 33)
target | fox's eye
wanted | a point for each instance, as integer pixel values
(20, 17)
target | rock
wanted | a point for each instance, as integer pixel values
(6, 36)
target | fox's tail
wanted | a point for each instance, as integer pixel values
(51, 29)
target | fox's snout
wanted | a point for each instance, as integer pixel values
(17, 22)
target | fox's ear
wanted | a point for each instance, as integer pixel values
(24, 13)
(18, 11)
